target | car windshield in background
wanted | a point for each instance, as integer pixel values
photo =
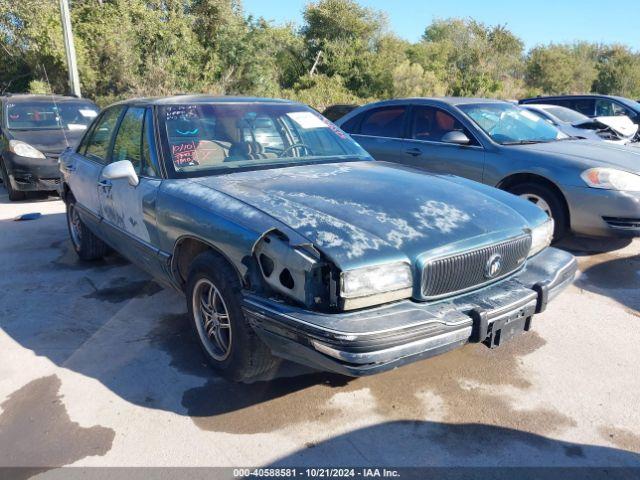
(566, 114)
(49, 115)
(509, 125)
(202, 137)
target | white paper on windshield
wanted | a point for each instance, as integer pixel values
(76, 126)
(307, 120)
(88, 113)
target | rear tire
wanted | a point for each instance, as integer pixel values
(228, 342)
(85, 243)
(549, 201)
(14, 195)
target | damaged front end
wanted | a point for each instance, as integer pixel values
(297, 272)
(303, 274)
(612, 129)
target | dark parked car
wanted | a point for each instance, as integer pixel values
(34, 130)
(289, 240)
(590, 188)
(593, 105)
(334, 112)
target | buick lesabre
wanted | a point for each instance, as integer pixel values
(290, 241)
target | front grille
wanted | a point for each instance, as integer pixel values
(457, 273)
(624, 223)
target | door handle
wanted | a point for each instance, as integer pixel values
(106, 184)
(68, 167)
(413, 151)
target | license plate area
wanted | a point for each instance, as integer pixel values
(504, 329)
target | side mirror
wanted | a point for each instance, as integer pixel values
(457, 137)
(121, 169)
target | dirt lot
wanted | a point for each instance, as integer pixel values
(98, 368)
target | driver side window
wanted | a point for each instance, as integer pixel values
(98, 144)
(128, 143)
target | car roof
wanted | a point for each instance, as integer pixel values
(32, 97)
(455, 101)
(195, 99)
(584, 95)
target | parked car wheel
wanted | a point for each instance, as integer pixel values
(547, 200)
(85, 243)
(226, 338)
(14, 195)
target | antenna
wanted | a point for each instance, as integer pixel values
(53, 99)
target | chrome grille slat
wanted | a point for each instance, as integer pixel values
(456, 273)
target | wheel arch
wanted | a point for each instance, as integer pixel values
(525, 177)
(185, 251)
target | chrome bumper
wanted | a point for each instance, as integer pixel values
(380, 338)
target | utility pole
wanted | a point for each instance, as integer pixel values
(315, 64)
(74, 79)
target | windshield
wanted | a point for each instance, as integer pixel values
(509, 125)
(49, 115)
(566, 114)
(207, 137)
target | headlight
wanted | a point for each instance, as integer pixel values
(611, 179)
(541, 237)
(374, 285)
(24, 149)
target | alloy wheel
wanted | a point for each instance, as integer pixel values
(212, 319)
(539, 201)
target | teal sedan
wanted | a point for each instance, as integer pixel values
(290, 242)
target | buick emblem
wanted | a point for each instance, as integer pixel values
(494, 265)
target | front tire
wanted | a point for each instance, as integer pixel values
(227, 340)
(549, 202)
(85, 243)
(14, 195)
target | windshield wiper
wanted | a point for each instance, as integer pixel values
(524, 142)
(569, 138)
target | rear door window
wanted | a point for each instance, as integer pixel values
(384, 122)
(586, 106)
(351, 125)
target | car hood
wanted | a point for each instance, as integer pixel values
(359, 212)
(590, 154)
(48, 141)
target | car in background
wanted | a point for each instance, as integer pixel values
(334, 112)
(289, 241)
(593, 105)
(588, 188)
(619, 130)
(35, 129)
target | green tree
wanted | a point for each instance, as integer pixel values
(470, 57)
(618, 72)
(556, 69)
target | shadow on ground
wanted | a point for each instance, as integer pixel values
(455, 444)
(111, 322)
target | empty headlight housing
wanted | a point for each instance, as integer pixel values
(611, 179)
(374, 285)
(24, 149)
(541, 237)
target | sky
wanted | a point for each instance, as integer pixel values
(534, 21)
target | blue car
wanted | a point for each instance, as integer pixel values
(587, 188)
(289, 241)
